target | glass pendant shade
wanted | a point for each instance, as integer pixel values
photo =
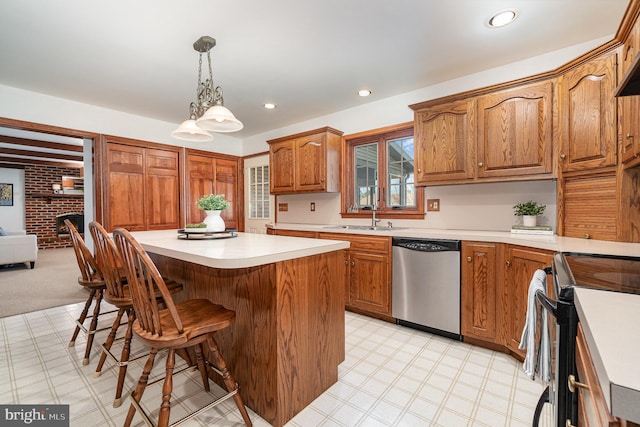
(189, 131)
(219, 119)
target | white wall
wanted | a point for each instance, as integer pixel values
(12, 218)
(19, 104)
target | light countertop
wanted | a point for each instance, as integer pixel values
(553, 243)
(245, 250)
(610, 321)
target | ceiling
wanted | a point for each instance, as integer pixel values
(309, 58)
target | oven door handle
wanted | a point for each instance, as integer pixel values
(548, 303)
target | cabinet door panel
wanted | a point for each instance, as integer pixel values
(479, 290)
(125, 187)
(445, 140)
(521, 264)
(227, 183)
(163, 189)
(588, 115)
(370, 288)
(515, 131)
(281, 169)
(201, 176)
(629, 106)
(310, 163)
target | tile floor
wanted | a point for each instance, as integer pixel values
(392, 376)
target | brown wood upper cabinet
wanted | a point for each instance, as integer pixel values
(141, 186)
(588, 114)
(444, 142)
(629, 106)
(305, 162)
(515, 131)
(207, 174)
(501, 135)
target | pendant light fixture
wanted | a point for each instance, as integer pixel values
(207, 112)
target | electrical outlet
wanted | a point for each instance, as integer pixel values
(312, 207)
(433, 205)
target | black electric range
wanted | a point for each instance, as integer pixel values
(570, 270)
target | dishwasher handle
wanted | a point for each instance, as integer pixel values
(423, 245)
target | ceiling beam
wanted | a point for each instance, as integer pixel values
(23, 161)
(41, 154)
(41, 144)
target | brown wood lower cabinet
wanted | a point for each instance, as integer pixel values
(369, 270)
(495, 286)
(480, 292)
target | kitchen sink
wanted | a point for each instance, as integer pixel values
(362, 227)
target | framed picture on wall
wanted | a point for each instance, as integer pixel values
(6, 194)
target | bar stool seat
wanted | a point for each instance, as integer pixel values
(179, 326)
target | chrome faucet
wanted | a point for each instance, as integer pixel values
(374, 220)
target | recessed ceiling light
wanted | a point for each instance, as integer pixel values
(269, 106)
(503, 18)
(364, 92)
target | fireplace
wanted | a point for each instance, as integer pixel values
(77, 219)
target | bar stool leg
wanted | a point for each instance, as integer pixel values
(202, 367)
(229, 381)
(109, 342)
(124, 358)
(92, 327)
(83, 317)
(142, 384)
(165, 407)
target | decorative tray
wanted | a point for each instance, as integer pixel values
(199, 234)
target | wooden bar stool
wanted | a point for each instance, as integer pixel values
(92, 279)
(118, 294)
(183, 325)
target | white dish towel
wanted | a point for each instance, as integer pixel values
(541, 363)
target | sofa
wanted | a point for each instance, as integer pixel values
(18, 247)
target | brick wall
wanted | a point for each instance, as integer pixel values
(41, 212)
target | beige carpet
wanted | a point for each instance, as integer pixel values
(53, 282)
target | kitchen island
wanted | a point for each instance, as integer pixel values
(288, 294)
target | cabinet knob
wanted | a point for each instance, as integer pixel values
(353, 263)
(563, 156)
(346, 263)
(508, 263)
(468, 259)
(587, 236)
(480, 164)
(568, 424)
(419, 170)
(573, 384)
(629, 136)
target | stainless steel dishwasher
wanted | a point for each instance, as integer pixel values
(426, 285)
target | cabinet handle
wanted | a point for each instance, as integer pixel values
(508, 263)
(563, 156)
(629, 136)
(480, 164)
(468, 259)
(573, 384)
(587, 236)
(353, 263)
(568, 424)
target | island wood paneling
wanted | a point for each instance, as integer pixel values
(288, 338)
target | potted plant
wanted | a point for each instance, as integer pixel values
(529, 212)
(213, 204)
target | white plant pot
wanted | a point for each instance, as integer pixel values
(214, 221)
(529, 220)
